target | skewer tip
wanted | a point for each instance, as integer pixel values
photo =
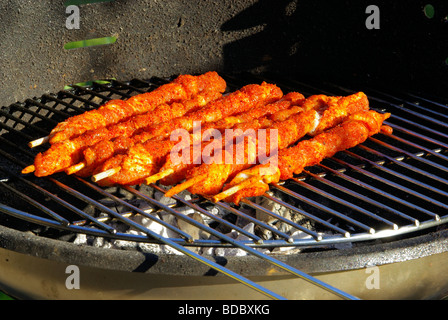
(75, 168)
(38, 142)
(240, 186)
(184, 185)
(105, 174)
(226, 193)
(29, 169)
(160, 175)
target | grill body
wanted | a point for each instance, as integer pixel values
(382, 204)
(37, 269)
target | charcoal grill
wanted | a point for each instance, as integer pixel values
(379, 207)
(391, 186)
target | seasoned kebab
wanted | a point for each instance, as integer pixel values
(174, 171)
(208, 179)
(96, 155)
(147, 158)
(248, 97)
(64, 154)
(100, 152)
(184, 87)
(353, 131)
(132, 137)
(208, 149)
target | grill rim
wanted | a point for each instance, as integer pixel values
(315, 262)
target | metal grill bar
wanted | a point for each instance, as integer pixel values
(432, 102)
(122, 85)
(413, 168)
(365, 199)
(254, 220)
(94, 93)
(305, 214)
(404, 177)
(18, 120)
(252, 251)
(417, 125)
(42, 106)
(325, 208)
(347, 204)
(131, 90)
(69, 206)
(19, 133)
(171, 243)
(401, 109)
(257, 239)
(409, 155)
(14, 145)
(67, 94)
(420, 147)
(315, 235)
(139, 211)
(416, 135)
(11, 158)
(38, 205)
(381, 192)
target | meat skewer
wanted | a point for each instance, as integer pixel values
(182, 88)
(173, 172)
(97, 154)
(125, 129)
(353, 131)
(242, 100)
(275, 112)
(138, 163)
(284, 103)
(144, 159)
(64, 154)
(208, 179)
(248, 97)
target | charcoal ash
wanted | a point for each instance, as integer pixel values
(196, 233)
(279, 210)
(148, 223)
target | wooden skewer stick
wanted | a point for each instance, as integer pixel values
(227, 193)
(29, 169)
(184, 185)
(38, 142)
(160, 175)
(105, 174)
(75, 168)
